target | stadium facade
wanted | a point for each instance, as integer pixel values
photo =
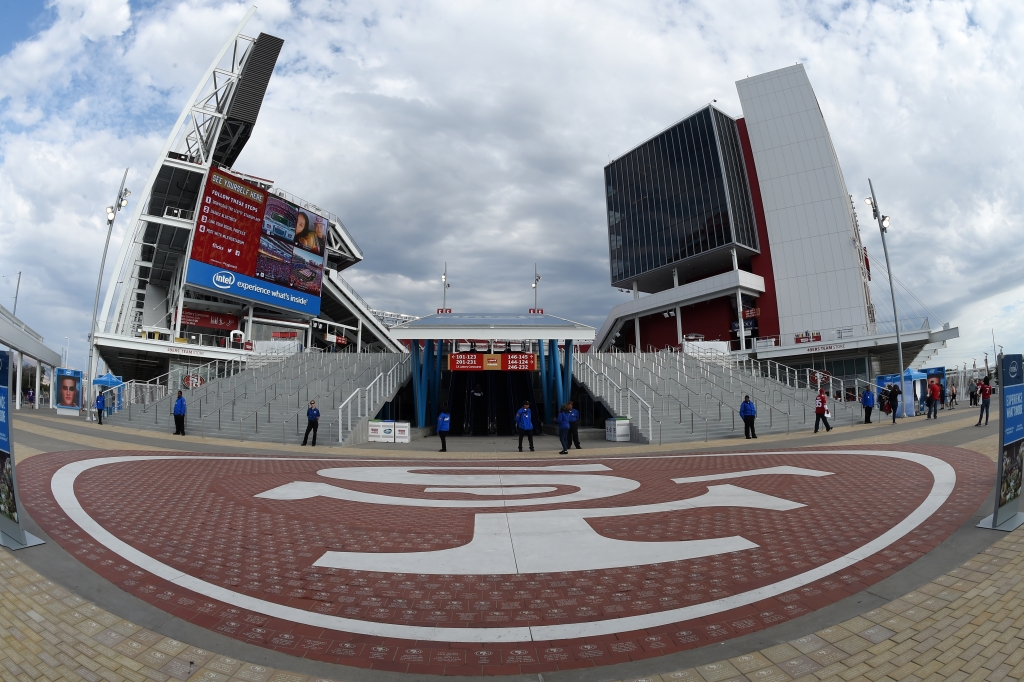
(218, 264)
(722, 224)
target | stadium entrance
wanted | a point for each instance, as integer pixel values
(482, 367)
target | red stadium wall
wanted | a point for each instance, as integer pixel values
(711, 318)
(768, 323)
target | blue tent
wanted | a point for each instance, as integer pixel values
(108, 380)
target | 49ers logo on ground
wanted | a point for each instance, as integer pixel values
(530, 564)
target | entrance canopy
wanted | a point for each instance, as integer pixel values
(485, 326)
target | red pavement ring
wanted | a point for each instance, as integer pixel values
(392, 565)
(944, 479)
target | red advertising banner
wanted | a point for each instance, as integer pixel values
(229, 224)
(203, 318)
(807, 337)
(492, 361)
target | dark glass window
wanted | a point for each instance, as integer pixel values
(678, 195)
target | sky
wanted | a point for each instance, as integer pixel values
(475, 134)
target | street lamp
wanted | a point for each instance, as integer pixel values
(112, 211)
(445, 286)
(883, 227)
(536, 280)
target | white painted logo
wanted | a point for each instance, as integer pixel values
(533, 541)
(223, 279)
(62, 486)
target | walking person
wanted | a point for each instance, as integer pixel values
(952, 397)
(748, 413)
(101, 403)
(179, 415)
(894, 399)
(574, 426)
(524, 425)
(444, 424)
(821, 411)
(942, 396)
(312, 422)
(562, 419)
(985, 394)
(868, 401)
(934, 395)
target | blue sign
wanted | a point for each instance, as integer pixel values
(1012, 380)
(5, 422)
(5, 364)
(251, 288)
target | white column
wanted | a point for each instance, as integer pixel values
(636, 329)
(675, 277)
(636, 290)
(39, 371)
(679, 327)
(359, 336)
(53, 397)
(17, 401)
(248, 326)
(739, 313)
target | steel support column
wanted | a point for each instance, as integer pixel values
(417, 391)
(545, 389)
(567, 371)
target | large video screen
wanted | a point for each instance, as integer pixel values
(253, 245)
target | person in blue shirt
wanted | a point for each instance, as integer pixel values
(748, 413)
(524, 424)
(179, 415)
(313, 421)
(868, 401)
(444, 425)
(101, 403)
(574, 426)
(562, 420)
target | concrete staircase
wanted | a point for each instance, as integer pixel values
(267, 402)
(676, 396)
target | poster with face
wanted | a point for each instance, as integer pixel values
(69, 388)
(8, 498)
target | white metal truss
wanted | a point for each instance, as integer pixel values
(190, 146)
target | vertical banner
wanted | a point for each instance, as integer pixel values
(11, 533)
(1011, 438)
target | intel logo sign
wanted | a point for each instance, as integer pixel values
(223, 279)
(1013, 369)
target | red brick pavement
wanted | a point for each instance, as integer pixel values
(200, 516)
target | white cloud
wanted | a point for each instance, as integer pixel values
(476, 133)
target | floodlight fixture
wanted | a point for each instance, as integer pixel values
(885, 221)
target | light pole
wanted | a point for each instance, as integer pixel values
(445, 286)
(67, 349)
(536, 281)
(883, 226)
(112, 211)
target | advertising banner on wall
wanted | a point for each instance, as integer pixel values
(12, 535)
(68, 385)
(1011, 437)
(256, 246)
(204, 318)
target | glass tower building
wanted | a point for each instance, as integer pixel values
(679, 201)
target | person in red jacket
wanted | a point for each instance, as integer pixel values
(934, 399)
(985, 395)
(820, 407)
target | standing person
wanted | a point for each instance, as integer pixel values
(101, 403)
(820, 408)
(444, 424)
(894, 400)
(179, 415)
(868, 401)
(562, 419)
(942, 396)
(574, 426)
(524, 425)
(312, 422)
(952, 397)
(985, 393)
(934, 395)
(748, 413)
(973, 395)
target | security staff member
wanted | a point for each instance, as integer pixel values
(179, 415)
(313, 417)
(101, 403)
(574, 426)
